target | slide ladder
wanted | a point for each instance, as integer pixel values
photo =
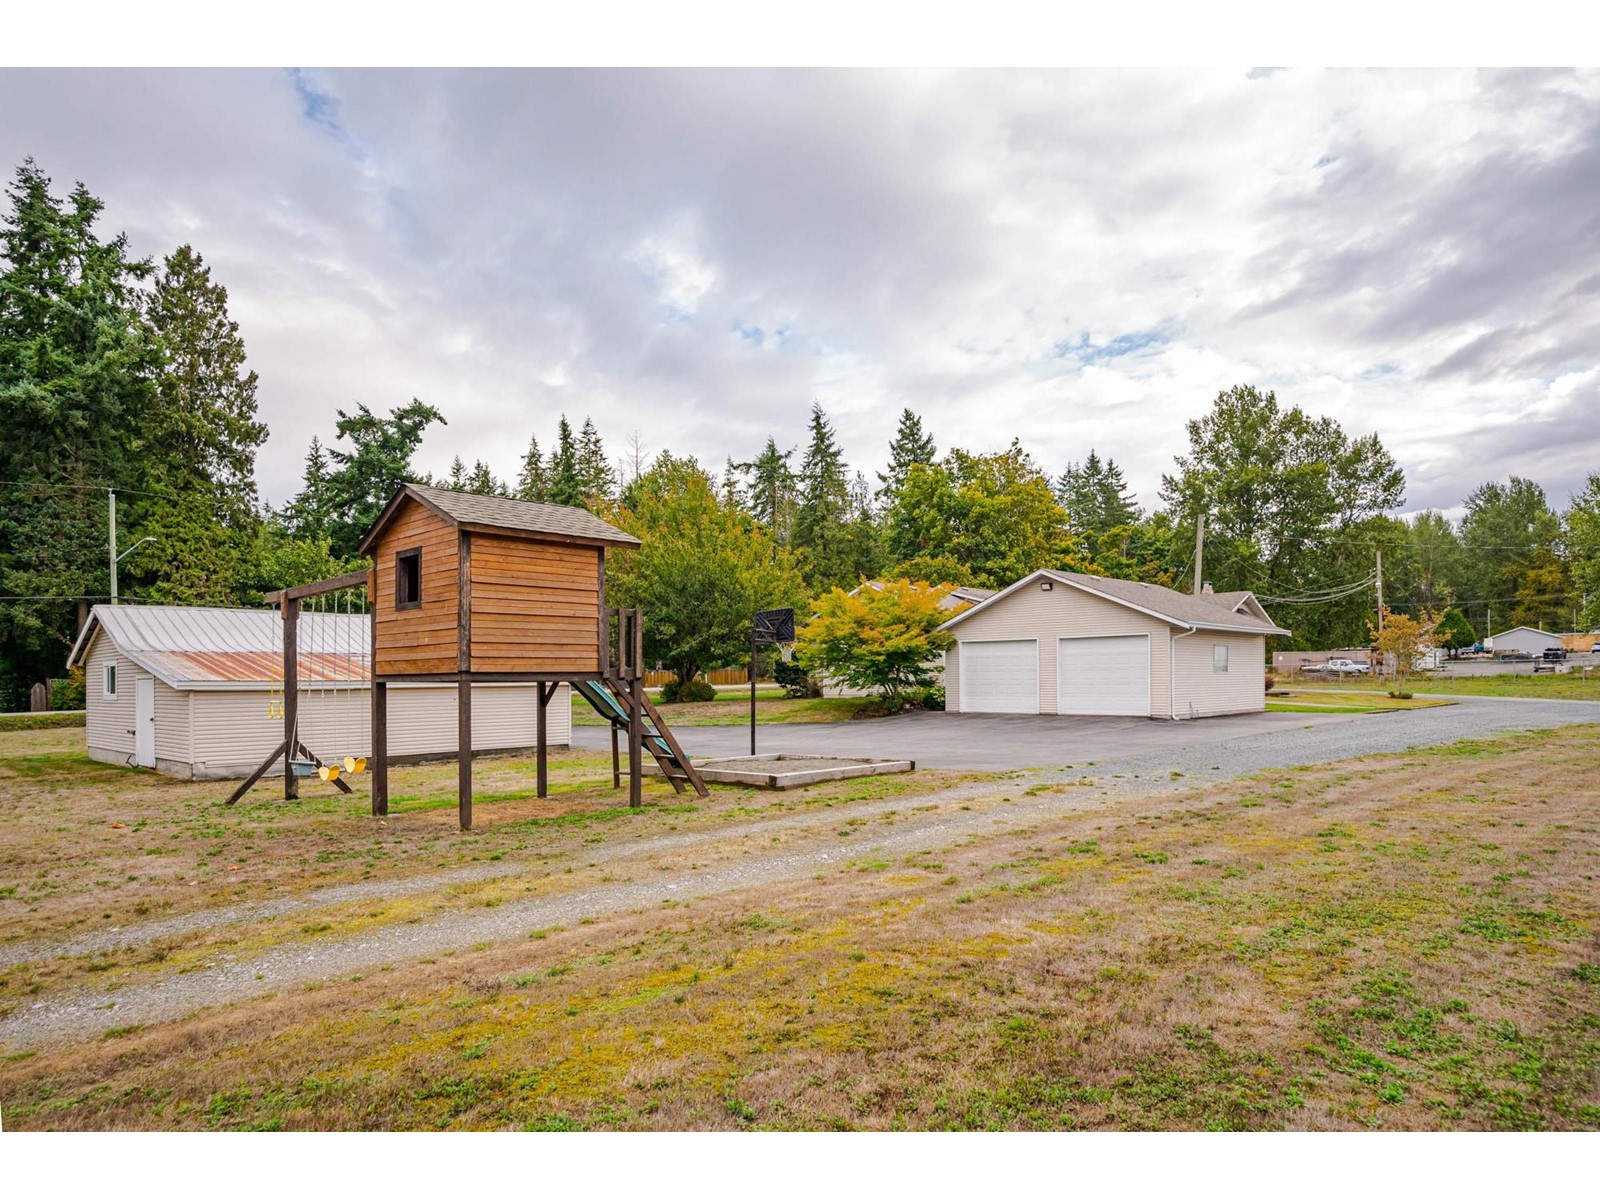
(612, 703)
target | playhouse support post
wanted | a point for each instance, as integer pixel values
(636, 713)
(616, 758)
(291, 694)
(542, 741)
(380, 748)
(464, 748)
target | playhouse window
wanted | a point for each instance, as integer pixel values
(408, 579)
(1219, 660)
(111, 681)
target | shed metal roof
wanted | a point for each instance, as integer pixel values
(502, 512)
(229, 649)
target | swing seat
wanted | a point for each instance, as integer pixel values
(303, 768)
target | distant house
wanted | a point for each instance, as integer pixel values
(192, 692)
(1524, 639)
(1056, 642)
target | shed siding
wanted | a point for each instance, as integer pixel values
(1063, 611)
(418, 641)
(535, 605)
(172, 725)
(1200, 692)
(109, 722)
(233, 733)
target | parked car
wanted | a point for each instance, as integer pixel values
(1515, 656)
(1555, 654)
(1344, 666)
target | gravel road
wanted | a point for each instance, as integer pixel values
(919, 823)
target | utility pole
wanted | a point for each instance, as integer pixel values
(111, 519)
(1199, 551)
(1379, 578)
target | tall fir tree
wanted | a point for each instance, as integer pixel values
(306, 515)
(533, 481)
(77, 370)
(378, 462)
(823, 511)
(1096, 496)
(482, 480)
(771, 494)
(566, 480)
(597, 479)
(911, 446)
(456, 481)
(199, 442)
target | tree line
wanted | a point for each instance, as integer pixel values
(121, 372)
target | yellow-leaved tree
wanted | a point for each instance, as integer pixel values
(1403, 640)
(884, 638)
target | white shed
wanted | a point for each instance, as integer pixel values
(193, 692)
(1082, 644)
(1526, 640)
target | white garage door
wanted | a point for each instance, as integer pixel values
(1000, 677)
(1104, 676)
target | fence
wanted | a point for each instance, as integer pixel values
(721, 677)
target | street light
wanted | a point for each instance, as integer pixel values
(118, 559)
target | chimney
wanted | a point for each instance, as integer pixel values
(1206, 590)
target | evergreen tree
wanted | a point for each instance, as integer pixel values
(77, 365)
(199, 442)
(533, 482)
(732, 489)
(456, 481)
(771, 495)
(482, 480)
(306, 516)
(566, 480)
(823, 510)
(1096, 497)
(597, 480)
(911, 446)
(368, 474)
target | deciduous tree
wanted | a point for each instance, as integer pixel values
(884, 638)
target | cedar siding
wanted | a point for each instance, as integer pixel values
(535, 605)
(421, 640)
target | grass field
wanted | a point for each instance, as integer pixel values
(1323, 700)
(1534, 687)
(1407, 942)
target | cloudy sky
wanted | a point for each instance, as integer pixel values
(1078, 259)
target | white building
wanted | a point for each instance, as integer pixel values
(197, 693)
(1081, 644)
(1524, 639)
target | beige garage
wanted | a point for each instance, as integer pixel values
(1064, 643)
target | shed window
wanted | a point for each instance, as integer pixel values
(111, 681)
(408, 579)
(1219, 660)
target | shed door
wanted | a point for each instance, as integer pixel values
(1104, 676)
(144, 721)
(1000, 677)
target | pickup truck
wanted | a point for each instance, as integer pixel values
(1343, 666)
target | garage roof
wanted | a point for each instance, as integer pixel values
(1228, 612)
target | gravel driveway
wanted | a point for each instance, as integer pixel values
(1123, 757)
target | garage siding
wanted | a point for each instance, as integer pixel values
(1202, 692)
(1064, 611)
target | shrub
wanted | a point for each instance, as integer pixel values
(678, 691)
(68, 695)
(795, 680)
(932, 698)
(1272, 681)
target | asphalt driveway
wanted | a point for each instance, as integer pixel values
(1229, 745)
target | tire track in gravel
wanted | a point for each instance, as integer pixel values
(81, 1015)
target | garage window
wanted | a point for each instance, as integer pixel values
(111, 681)
(1219, 660)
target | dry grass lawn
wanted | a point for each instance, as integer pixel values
(1401, 943)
